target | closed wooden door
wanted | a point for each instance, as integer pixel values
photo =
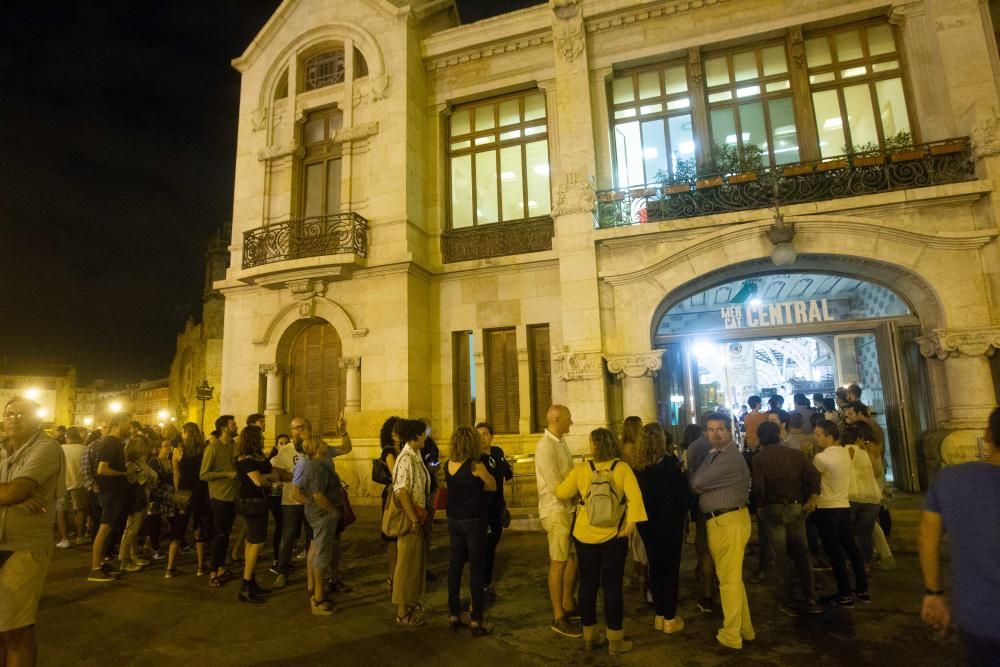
(503, 401)
(317, 384)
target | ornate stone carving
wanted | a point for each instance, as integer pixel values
(694, 67)
(478, 358)
(574, 196)
(277, 118)
(379, 86)
(305, 292)
(798, 47)
(578, 365)
(497, 240)
(356, 132)
(944, 343)
(277, 152)
(986, 137)
(569, 39)
(272, 369)
(522, 354)
(258, 119)
(901, 11)
(635, 365)
(565, 9)
(349, 362)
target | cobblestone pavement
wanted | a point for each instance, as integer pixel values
(146, 619)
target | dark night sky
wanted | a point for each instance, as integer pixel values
(117, 142)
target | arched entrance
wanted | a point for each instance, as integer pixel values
(757, 329)
(316, 381)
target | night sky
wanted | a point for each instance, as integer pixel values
(117, 143)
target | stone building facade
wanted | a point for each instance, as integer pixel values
(470, 221)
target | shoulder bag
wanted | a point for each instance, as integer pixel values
(380, 472)
(395, 523)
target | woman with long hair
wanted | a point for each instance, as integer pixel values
(389, 441)
(636, 549)
(468, 483)
(251, 503)
(411, 488)
(602, 541)
(190, 499)
(667, 499)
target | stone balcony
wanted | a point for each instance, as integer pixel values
(333, 244)
(918, 166)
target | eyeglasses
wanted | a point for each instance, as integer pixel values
(16, 416)
(298, 428)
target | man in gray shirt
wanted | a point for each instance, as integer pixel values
(722, 483)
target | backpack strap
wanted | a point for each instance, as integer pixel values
(592, 468)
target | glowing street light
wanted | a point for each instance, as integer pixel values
(88, 421)
(41, 413)
(115, 406)
(163, 414)
(32, 394)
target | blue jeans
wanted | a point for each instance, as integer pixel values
(785, 528)
(468, 543)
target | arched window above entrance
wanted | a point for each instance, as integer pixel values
(780, 300)
(317, 384)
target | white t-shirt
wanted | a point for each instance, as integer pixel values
(73, 453)
(286, 459)
(864, 487)
(835, 465)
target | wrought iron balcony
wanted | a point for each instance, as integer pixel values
(306, 237)
(832, 178)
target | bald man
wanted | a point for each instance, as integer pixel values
(32, 476)
(552, 463)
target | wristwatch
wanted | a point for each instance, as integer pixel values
(929, 591)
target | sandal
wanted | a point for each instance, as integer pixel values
(226, 576)
(214, 581)
(409, 620)
(322, 608)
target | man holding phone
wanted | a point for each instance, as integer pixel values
(32, 476)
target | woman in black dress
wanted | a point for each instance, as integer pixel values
(667, 498)
(190, 498)
(252, 505)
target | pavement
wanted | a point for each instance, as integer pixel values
(146, 619)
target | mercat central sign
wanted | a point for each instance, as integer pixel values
(775, 314)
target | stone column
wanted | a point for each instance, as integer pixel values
(971, 395)
(637, 372)
(352, 402)
(274, 395)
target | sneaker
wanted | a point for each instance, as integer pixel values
(108, 568)
(562, 626)
(80, 541)
(130, 566)
(141, 562)
(812, 608)
(844, 601)
(673, 625)
(705, 605)
(863, 597)
(280, 581)
(100, 576)
(63, 544)
(788, 610)
(274, 569)
(158, 555)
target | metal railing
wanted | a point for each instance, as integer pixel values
(917, 166)
(306, 237)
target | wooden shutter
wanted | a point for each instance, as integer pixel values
(461, 378)
(317, 382)
(540, 355)
(503, 403)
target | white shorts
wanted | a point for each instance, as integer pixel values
(557, 529)
(21, 580)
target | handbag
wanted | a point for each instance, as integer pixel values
(347, 516)
(380, 472)
(505, 518)
(395, 523)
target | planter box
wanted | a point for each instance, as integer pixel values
(831, 165)
(797, 170)
(951, 147)
(907, 155)
(745, 177)
(712, 182)
(611, 196)
(868, 160)
(642, 192)
(676, 188)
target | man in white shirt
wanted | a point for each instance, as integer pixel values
(552, 463)
(833, 512)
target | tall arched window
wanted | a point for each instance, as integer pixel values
(317, 384)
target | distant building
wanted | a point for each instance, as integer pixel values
(52, 387)
(149, 402)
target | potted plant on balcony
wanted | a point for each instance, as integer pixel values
(738, 165)
(867, 154)
(900, 148)
(680, 179)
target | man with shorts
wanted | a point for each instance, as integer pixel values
(113, 492)
(32, 476)
(552, 463)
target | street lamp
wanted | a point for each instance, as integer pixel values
(88, 421)
(32, 394)
(203, 393)
(115, 406)
(163, 414)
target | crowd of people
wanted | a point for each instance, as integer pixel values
(809, 477)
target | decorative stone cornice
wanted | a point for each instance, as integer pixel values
(945, 343)
(305, 292)
(578, 365)
(659, 10)
(574, 196)
(635, 365)
(272, 369)
(356, 132)
(349, 362)
(464, 56)
(986, 137)
(277, 152)
(901, 11)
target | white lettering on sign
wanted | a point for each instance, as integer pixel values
(776, 314)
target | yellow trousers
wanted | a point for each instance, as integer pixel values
(728, 535)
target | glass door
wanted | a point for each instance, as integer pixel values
(670, 402)
(904, 389)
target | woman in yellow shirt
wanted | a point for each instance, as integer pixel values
(601, 549)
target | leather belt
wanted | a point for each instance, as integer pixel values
(712, 515)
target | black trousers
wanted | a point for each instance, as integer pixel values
(602, 566)
(663, 549)
(494, 522)
(95, 513)
(837, 534)
(223, 515)
(274, 504)
(292, 518)
(468, 543)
